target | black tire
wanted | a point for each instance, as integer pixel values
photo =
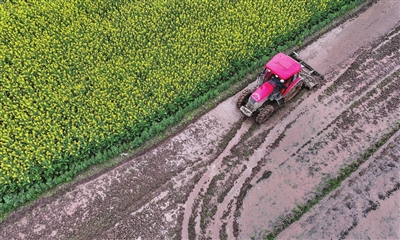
(243, 97)
(264, 114)
(293, 92)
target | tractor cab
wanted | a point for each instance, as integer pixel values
(283, 67)
(278, 75)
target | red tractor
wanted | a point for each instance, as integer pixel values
(281, 80)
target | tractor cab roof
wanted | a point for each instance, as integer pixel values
(283, 66)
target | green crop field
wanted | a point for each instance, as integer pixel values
(78, 77)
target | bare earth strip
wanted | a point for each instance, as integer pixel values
(365, 206)
(225, 177)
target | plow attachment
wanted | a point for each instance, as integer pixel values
(307, 71)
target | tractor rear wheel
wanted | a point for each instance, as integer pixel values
(293, 92)
(264, 114)
(243, 98)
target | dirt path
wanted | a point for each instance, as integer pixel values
(225, 177)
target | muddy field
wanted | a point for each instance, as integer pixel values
(326, 165)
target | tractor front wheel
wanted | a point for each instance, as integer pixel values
(243, 98)
(264, 114)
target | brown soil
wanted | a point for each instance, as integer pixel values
(226, 177)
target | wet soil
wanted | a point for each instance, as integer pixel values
(226, 177)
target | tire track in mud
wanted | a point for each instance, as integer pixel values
(340, 147)
(194, 202)
(366, 205)
(163, 216)
(142, 197)
(340, 139)
(365, 76)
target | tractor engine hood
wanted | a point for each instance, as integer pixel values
(263, 92)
